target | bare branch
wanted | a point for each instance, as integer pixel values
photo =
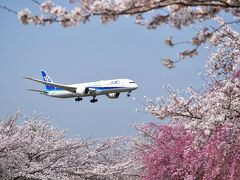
(8, 9)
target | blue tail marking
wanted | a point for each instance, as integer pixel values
(47, 78)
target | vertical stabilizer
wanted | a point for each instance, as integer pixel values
(47, 78)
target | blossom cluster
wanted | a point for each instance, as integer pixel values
(172, 153)
(219, 103)
(226, 60)
(36, 150)
(177, 13)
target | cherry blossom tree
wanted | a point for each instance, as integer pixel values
(36, 150)
(176, 13)
(219, 103)
(202, 139)
(173, 152)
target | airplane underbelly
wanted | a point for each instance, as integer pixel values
(63, 94)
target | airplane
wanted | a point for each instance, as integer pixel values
(110, 88)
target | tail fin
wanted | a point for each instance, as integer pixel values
(47, 78)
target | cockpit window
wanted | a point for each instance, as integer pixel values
(131, 82)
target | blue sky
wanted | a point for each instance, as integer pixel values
(85, 53)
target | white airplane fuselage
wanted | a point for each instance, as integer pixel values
(103, 87)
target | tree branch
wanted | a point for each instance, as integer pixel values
(8, 9)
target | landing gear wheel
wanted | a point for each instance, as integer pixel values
(93, 100)
(128, 95)
(78, 99)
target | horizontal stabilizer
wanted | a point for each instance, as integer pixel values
(35, 90)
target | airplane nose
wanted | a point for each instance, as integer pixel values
(135, 86)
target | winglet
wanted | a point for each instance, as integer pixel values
(26, 77)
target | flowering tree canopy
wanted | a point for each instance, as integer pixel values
(177, 13)
(202, 140)
(35, 150)
(174, 153)
(220, 101)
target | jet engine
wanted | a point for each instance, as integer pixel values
(83, 91)
(113, 95)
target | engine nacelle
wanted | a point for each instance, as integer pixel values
(83, 91)
(113, 95)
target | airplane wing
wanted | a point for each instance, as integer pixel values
(62, 86)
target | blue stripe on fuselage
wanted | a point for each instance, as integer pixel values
(93, 87)
(104, 88)
(54, 89)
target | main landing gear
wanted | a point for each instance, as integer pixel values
(78, 99)
(93, 100)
